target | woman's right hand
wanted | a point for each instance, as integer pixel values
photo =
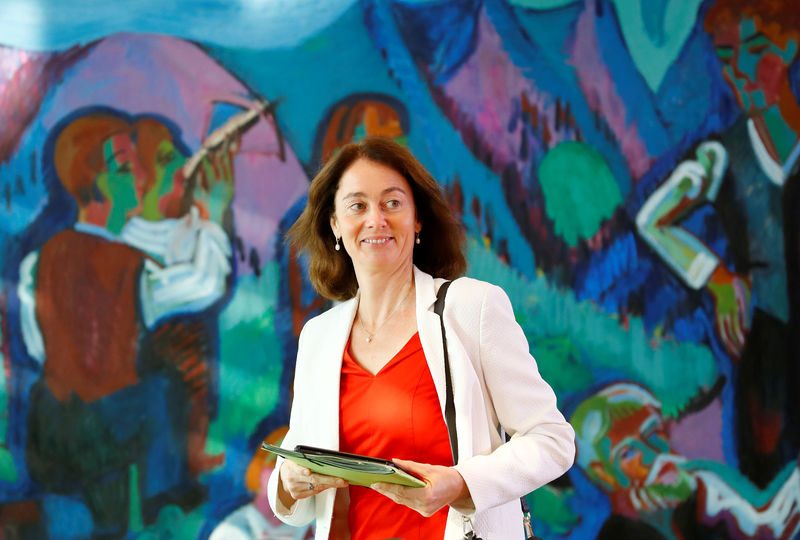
(297, 482)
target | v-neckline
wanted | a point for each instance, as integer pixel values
(398, 356)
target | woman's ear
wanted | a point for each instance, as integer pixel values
(335, 226)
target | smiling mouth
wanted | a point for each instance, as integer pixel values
(376, 241)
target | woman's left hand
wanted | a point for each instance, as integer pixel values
(444, 486)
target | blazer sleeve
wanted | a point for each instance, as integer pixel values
(542, 445)
(304, 510)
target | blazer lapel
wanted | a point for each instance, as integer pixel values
(330, 350)
(430, 332)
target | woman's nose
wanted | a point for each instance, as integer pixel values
(375, 216)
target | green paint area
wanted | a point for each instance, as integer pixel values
(118, 185)
(560, 362)
(783, 137)
(8, 472)
(579, 189)
(173, 523)
(167, 163)
(250, 362)
(549, 505)
(135, 521)
(575, 343)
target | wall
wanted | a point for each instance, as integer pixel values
(624, 169)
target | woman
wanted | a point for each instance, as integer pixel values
(370, 371)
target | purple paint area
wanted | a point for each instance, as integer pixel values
(24, 81)
(601, 93)
(699, 435)
(150, 74)
(489, 86)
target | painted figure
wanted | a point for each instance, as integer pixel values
(116, 311)
(624, 448)
(756, 294)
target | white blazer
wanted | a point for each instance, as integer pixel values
(495, 383)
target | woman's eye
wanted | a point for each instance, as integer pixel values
(356, 206)
(392, 204)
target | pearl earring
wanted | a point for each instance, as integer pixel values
(337, 247)
(416, 240)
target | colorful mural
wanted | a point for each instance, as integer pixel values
(626, 170)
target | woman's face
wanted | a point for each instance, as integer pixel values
(375, 215)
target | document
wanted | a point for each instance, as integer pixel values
(357, 470)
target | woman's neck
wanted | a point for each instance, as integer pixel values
(381, 293)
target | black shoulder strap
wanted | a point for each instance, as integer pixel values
(449, 406)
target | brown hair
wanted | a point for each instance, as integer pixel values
(441, 251)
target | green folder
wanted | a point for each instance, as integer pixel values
(357, 470)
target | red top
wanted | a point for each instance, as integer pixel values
(392, 414)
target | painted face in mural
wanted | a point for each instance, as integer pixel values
(353, 122)
(754, 65)
(163, 197)
(375, 216)
(122, 182)
(756, 60)
(165, 188)
(623, 446)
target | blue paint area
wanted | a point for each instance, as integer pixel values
(50, 24)
(28, 165)
(692, 327)
(694, 82)
(226, 491)
(653, 18)
(612, 274)
(441, 35)
(66, 518)
(340, 54)
(221, 113)
(548, 34)
(629, 84)
(663, 293)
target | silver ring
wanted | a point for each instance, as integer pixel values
(310, 486)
